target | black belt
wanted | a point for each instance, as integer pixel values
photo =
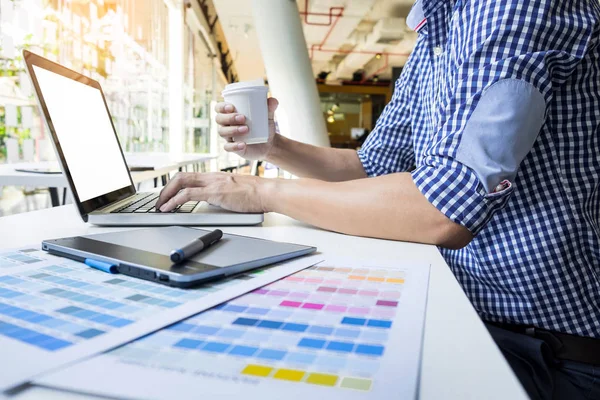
(564, 346)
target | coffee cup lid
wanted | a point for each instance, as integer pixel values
(241, 85)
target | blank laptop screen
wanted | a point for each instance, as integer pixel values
(85, 133)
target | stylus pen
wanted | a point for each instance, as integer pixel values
(196, 246)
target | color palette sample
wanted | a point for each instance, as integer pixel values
(336, 328)
(57, 311)
(56, 306)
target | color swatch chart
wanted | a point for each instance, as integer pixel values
(57, 306)
(329, 327)
(55, 311)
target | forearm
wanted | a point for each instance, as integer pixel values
(307, 161)
(387, 207)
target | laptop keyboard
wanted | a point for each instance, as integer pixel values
(145, 203)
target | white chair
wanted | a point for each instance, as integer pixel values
(28, 150)
(12, 150)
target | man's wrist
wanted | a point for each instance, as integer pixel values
(268, 192)
(276, 147)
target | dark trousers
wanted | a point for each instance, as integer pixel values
(542, 375)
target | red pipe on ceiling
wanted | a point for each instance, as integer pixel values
(320, 45)
(331, 23)
(330, 14)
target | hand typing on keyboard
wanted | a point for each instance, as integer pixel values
(241, 193)
(146, 203)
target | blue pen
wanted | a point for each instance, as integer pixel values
(102, 266)
(196, 246)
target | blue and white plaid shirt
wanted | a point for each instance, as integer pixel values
(498, 108)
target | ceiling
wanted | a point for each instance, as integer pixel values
(367, 27)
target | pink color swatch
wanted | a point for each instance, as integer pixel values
(313, 280)
(334, 308)
(326, 289)
(368, 292)
(390, 295)
(294, 279)
(313, 306)
(277, 293)
(387, 303)
(358, 310)
(299, 295)
(288, 303)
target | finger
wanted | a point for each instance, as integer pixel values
(183, 197)
(229, 131)
(272, 104)
(224, 108)
(237, 147)
(230, 119)
(180, 181)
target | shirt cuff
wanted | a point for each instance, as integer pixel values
(455, 190)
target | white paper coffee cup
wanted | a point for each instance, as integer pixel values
(250, 100)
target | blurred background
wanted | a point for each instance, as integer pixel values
(163, 64)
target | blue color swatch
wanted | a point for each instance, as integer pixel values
(246, 351)
(312, 343)
(84, 298)
(28, 336)
(354, 321)
(245, 321)
(189, 343)
(94, 316)
(215, 347)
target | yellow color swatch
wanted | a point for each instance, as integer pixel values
(289, 375)
(322, 379)
(375, 279)
(357, 277)
(257, 370)
(394, 280)
(356, 383)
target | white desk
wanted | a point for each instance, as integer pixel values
(460, 359)
(157, 165)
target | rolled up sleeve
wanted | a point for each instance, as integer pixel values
(469, 173)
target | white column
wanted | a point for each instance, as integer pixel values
(176, 75)
(289, 70)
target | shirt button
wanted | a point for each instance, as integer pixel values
(437, 50)
(501, 186)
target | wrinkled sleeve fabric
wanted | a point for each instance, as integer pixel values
(506, 71)
(388, 148)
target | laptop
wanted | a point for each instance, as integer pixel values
(91, 157)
